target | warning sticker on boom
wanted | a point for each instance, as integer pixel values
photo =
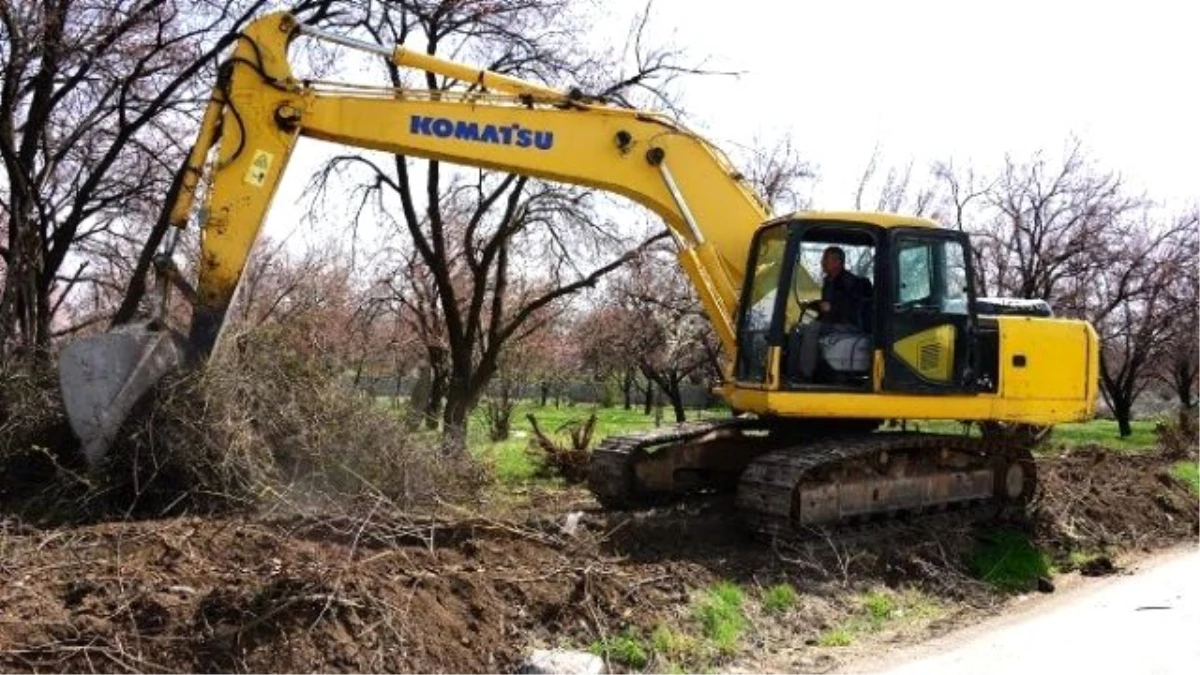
(256, 175)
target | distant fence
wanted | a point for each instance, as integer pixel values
(1151, 404)
(574, 392)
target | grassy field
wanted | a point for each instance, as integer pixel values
(514, 464)
(1104, 432)
(1073, 435)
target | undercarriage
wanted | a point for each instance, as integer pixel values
(795, 478)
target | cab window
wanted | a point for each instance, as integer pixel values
(931, 275)
(759, 311)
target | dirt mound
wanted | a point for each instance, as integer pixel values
(300, 595)
(471, 594)
(1093, 498)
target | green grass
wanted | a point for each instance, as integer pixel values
(1009, 562)
(879, 607)
(714, 633)
(624, 648)
(719, 613)
(1080, 559)
(778, 599)
(837, 637)
(1188, 473)
(1105, 433)
(676, 651)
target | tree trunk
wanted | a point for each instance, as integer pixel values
(1184, 378)
(465, 388)
(627, 388)
(648, 406)
(454, 420)
(25, 305)
(545, 391)
(1123, 411)
(680, 414)
(433, 403)
(436, 359)
(418, 398)
(672, 390)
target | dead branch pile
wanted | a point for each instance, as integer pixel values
(261, 426)
(265, 424)
(34, 433)
(1094, 499)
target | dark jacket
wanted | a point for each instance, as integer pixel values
(845, 294)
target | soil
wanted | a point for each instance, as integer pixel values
(1094, 498)
(470, 594)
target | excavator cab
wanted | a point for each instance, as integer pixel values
(912, 326)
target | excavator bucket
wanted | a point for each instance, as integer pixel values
(103, 376)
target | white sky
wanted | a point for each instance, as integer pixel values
(929, 80)
(924, 81)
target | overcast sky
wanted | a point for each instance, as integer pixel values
(924, 81)
(928, 80)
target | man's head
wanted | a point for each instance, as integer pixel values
(833, 261)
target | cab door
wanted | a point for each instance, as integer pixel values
(930, 322)
(760, 331)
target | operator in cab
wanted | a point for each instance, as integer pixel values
(838, 310)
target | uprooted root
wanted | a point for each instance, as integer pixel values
(568, 460)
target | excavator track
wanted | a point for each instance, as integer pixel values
(611, 472)
(865, 482)
(794, 486)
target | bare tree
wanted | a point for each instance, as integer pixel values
(91, 104)
(610, 337)
(1179, 364)
(1181, 367)
(1052, 222)
(896, 193)
(669, 333)
(1128, 297)
(474, 231)
(780, 174)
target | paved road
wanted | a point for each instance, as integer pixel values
(1142, 623)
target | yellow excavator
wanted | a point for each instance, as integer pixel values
(803, 448)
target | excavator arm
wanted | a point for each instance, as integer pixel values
(259, 110)
(517, 127)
